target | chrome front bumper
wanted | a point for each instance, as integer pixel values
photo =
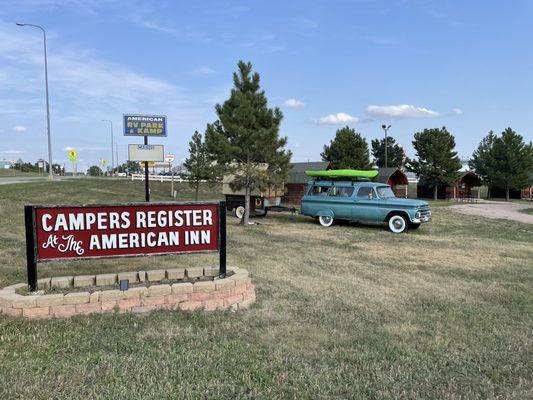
(424, 217)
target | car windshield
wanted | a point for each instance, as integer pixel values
(385, 192)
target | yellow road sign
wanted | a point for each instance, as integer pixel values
(103, 162)
(72, 154)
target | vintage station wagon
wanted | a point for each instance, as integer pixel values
(329, 200)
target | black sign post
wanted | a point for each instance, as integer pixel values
(29, 221)
(146, 181)
(222, 238)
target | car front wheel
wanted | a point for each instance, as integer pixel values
(397, 224)
(325, 220)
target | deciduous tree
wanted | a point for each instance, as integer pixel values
(94, 170)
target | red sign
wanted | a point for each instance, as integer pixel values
(125, 230)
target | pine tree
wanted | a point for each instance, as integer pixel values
(482, 158)
(437, 161)
(245, 138)
(395, 153)
(511, 161)
(198, 165)
(347, 150)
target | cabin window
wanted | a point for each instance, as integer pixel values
(340, 191)
(365, 192)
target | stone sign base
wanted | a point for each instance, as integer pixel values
(195, 288)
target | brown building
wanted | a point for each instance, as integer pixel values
(395, 178)
(527, 192)
(295, 187)
(460, 190)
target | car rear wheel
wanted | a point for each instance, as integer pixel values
(325, 220)
(239, 212)
(262, 213)
(397, 224)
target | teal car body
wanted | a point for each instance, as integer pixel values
(361, 201)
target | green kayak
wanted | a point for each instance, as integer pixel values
(342, 173)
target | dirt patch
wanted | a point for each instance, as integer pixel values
(496, 210)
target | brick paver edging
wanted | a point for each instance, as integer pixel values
(233, 292)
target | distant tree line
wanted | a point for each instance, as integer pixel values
(501, 161)
(245, 137)
(34, 167)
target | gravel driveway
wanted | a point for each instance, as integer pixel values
(496, 210)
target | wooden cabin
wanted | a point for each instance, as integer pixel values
(462, 189)
(395, 178)
(295, 187)
(527, 192)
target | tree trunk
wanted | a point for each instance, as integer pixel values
(196, 190)
(435, 192)
(507, 193)
(246, 218)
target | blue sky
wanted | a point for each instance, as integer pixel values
(412, 64)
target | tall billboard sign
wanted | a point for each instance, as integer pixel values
(145, 125)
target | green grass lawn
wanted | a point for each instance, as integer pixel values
(350, 311)
(13, 172)
(527, 211)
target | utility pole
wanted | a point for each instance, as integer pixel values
(50, 175)
(112, 144)
(386, 129)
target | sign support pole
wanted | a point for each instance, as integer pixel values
(222, 234)
(29, 220)
(146, 183)
(171, 183)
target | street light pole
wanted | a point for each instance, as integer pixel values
(386, 129)
(112, 145)
(51, 175)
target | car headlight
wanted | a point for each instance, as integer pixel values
(418, 214)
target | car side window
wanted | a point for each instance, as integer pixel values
(364, 192)
(318, 191)
(340, 191)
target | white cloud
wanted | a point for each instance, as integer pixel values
(19, 128)
(335, 119)
(204, 71)
(12, 151)
(77, 75)
(400, 111)
(293, 103)
(87, 148)
(457, 111)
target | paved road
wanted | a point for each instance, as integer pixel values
(25, 179)
(496, 210)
